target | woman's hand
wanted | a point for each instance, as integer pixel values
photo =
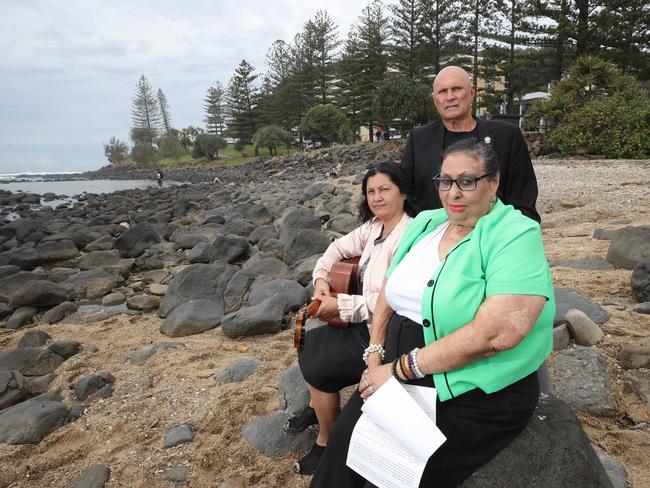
(321, 288)
(372, 379)
(329, 308)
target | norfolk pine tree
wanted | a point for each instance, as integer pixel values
(215, 117)
(146, 118)
(163, 107)
(406, 39)
(242, 103)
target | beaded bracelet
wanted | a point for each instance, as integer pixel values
(393, 370)
(413, 355)
(406, 371)
(373, 348)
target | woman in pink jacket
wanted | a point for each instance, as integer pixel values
(332, 358)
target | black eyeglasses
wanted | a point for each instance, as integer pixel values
(465, 183)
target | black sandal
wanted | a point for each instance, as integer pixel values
(301, 422)
(309, 462)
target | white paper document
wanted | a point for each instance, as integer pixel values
(395, 435)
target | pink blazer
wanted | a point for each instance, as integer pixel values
(360, 242)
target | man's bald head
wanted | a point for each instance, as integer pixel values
(453, 93)
(455, 72)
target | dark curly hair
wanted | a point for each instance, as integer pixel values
(396, 175)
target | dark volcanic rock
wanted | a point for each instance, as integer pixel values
(238, 371)
(305, 243)
(228, 248)
(40, 293)
(94, 476)
(568, 298)
(177, 435)
(295, 221)
(197, 281)
(641, 282)
(30, 361)
(94, 283)
(10, 284)
(136, 240)
(29, 422)
(267, 435)
(264, 318)
(33, 338)
(580, 378)
(91, 383)
(553, 451)
(192, 317)
(95, 259)
(143, 303)
(21, 317)
(630, 246)
(58, 313)
(294, 391)
(266, 287)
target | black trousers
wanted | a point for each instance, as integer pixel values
(477, 425)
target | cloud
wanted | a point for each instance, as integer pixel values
(70, 68)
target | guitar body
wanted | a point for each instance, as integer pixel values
(343, 279)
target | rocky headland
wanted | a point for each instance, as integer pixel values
(146, 335)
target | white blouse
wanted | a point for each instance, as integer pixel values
(406, 285)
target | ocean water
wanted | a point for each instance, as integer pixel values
(65, 191)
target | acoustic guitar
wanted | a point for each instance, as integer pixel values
(343, 279)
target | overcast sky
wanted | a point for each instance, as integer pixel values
(68, 69)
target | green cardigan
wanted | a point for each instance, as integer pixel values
(502, 255)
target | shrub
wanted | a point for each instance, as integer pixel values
(597, 109)
(325, 124)
(208, 145)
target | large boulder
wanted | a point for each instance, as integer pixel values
(296, 220)
(305, 243)
(94, 283)
(40, 293)
(264, 318)
(21, 317)
(630, 246)
(228, 248)
(265, 287)
(343, 223)
(91, 383)
(265, 267)
(29, 422)
(197, 281)
(12, 283)
(13, 388)
(636, 354)
(294, 391)
(134, 241)
(193, 317)
(267, 435)
(30, 361)
(553, 451)
(580, 378)
(95, 259)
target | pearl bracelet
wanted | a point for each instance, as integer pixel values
(373, 348)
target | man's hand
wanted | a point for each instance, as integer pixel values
(328, 309)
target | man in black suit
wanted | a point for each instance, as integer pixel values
(453, 93)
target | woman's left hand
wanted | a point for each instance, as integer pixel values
(372, 379)
(329, 307)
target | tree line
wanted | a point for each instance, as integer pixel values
(380, 74)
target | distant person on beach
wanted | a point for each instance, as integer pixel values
(159, 178)
(331, 358)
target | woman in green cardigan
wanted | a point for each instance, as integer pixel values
(468, 309)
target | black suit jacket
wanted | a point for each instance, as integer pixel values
(423, 156)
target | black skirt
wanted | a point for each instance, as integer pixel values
(332, 358)
(477, 425)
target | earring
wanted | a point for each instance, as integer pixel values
(493, 202)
